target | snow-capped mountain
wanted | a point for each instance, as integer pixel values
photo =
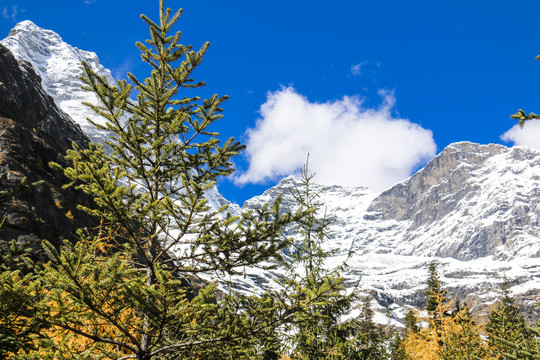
(470, 201)
(473, 208)
(59, 66)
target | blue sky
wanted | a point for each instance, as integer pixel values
(371, 89)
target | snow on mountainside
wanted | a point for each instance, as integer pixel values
(470, 201)
(473, 208)
(59, 66)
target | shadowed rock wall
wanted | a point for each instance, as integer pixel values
(33, 132)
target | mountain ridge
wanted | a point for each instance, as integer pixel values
(395, 276)
(464, 169)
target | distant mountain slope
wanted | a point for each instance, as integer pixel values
(471, 201)
(473, 209)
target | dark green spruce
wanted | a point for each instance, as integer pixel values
(508, 335)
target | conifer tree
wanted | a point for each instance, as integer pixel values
(136, 299)
(506, 328)
(436, 304)
(411, 324)
(17, 323)
(315, 331)
(434, 292)
(371, 341)
(526, 350)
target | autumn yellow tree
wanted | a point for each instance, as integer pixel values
(444, 332)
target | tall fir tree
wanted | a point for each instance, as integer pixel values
(434, 292)
(371, 340)
(135, 300)
(437, 305)
(411, 323)
(315, 331)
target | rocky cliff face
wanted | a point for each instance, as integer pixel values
(470, 201)
(33, 132)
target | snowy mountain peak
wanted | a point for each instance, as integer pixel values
(59, 66)
(28, 26)
(474, 209)
(28, 29)
(452, 162)
(470, 201)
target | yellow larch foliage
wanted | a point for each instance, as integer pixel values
(447, 336)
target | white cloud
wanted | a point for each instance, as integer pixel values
(87, 2)
(348, 143)
(529, 135)
(6, 14)
(357, 69)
